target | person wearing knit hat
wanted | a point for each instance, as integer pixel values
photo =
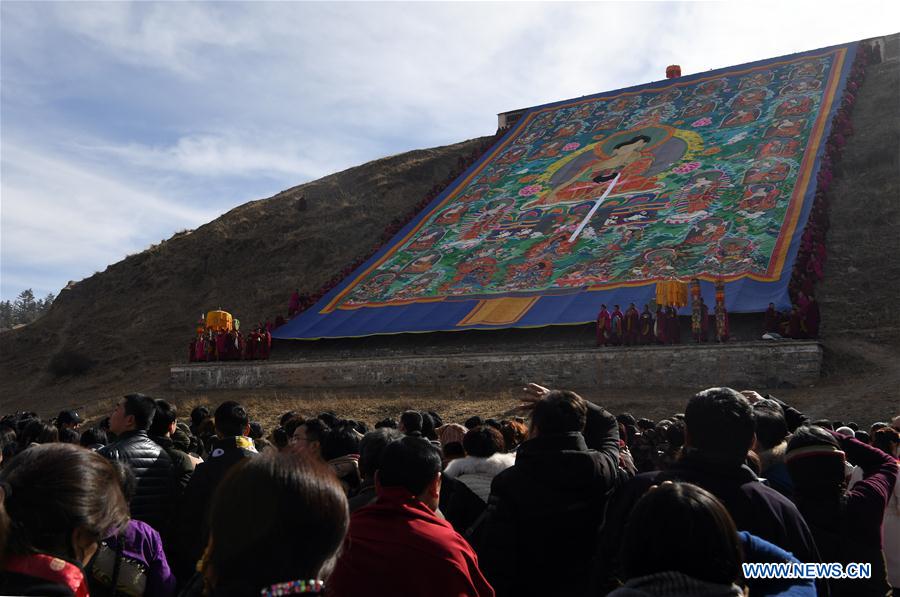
(846, 524)
(452, 432)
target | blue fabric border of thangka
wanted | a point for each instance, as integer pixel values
(743, 295)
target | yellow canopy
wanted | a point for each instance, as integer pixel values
(219, 320)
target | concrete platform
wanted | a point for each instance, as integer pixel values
(762, 364)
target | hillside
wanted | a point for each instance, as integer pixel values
(136, 318)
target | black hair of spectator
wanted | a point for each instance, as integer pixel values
(280, 438)
(104, 424)
(360, 426)
(436, 419)
(411, 421)
(231, 419)
(294, 531)
(453, 450)
(55, 489)
(69, 436)
(166, 414)
(142, 408)
(483, 442)
(287, 417)
(316, 431)
(863, 436)
(560, 411)
(45, 434)
(683, 528)
(854, 426)
(626, 419)
(329, 418)
(645, 424)
(411, 462)
(386, 424)
(876, 426)
(93, 437)
(127, 480)
(256, 430)
(290, 426)
(198, 415)
(720, 424)
(428, 427)
(473, 422)
(371, 448)
(340, 441)
(886, 440)
(771, 426)
(493, 423)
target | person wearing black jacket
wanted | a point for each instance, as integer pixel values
(230, 446)
(161, 430)
(543, 512)
(156, 493)
(719, 430)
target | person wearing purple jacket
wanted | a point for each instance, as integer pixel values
(846, 524)
(133, 560)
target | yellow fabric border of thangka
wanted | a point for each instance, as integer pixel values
(779, 253)
(499, 311)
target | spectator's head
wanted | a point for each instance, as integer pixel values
(231, 420)
(60, 500)
(413, 464)
(483, 442)
(256, 430)
(329, 418)
(815, 462)
(452, 451)
(287, 417)
(340, 441)
(719, 425)
(291, 425)
(68, 419)
(473, 422)
(452, 432)
(308, 438)
(428, 427)
(164, 420)
(371, 448)
(127, 480)
(386, 424)
(560, 411)
(863, 436)
(134, 412)
(771, 427)
(514, 433)
(69, 436)
(293, 531)
(411, 422)
(436, 419)
(824, 424)
(44, 434)
(198, 415)
(93, 438)
(887, 440)
(680, 527)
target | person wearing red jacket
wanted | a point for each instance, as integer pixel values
(398, 545)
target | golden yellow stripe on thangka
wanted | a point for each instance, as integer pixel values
(499, 311)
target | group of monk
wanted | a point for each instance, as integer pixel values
(633, 328)
(231, 345)
(802, 322)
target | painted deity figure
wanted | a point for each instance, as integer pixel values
(699, 107)
(767, 170)
(587, 176)
(779, 147)
(786, 127)
(427, 240)
(794, 106)
(740, 117)
(451, 215)
(758, 197)
(702, 190)
(749, 99)
(488, 219)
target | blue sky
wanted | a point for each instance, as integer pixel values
(122, 123)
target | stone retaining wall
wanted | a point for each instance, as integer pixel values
(751, 364)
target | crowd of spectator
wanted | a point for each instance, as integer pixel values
(571, 500)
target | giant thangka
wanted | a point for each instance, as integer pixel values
(594, 200)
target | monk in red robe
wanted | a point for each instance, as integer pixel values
(252, 345)
(646, 326)
(221, 345)
(793, 327)
(632, 325)
(617, 326)
(603, 326)
(661, 324)
(192, 347)
(673, 329)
